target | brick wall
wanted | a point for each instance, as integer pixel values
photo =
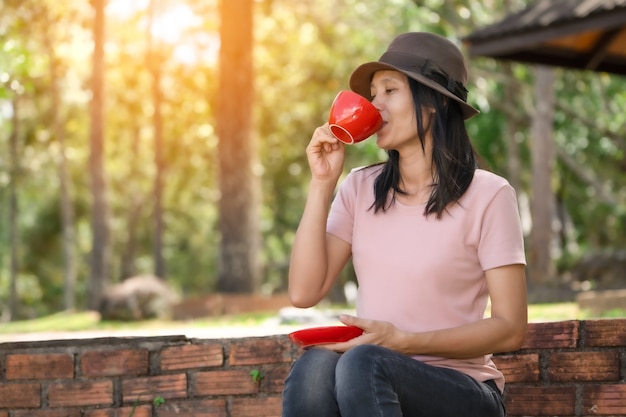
(570, 368)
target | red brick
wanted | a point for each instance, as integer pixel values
(518, 368)
(166, 386)
(192, 356)
(195, 408)
(144, 410)
(74, 412)
(79, 393)
(257, 407)
(236, 381)
(20, 395)
(604, 400)
(561, 334)
(274, 377)
(540, 401)
(115, 362)
(605, 333)
(40, 366)
(253, 351)
(583, 366)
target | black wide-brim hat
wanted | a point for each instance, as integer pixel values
(425, 57)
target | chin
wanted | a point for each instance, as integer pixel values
(380, 142)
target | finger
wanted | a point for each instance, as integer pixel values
(324, 133)
(350, 320)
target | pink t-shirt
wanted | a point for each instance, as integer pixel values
(423, 273)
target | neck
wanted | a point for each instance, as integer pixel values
(416, 170)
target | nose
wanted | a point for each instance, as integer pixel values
(377, 103)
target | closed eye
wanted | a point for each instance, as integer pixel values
(387, 91)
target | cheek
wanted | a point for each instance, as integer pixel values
(410, 122)
(408, 112)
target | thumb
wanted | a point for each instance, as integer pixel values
(348, 319)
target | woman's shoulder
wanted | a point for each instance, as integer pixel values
(367, 171)
(359, 183)
(364, 174)
(487, 180)
(485, 186)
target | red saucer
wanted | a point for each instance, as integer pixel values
(322, 335)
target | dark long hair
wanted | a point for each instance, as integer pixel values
(453, 155)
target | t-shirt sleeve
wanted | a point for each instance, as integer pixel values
(340, 221)
(501, 236)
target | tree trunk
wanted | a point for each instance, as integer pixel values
(159, 180)
(541, 269)
(239, 268)
(511, 88)
(157, 123)
(99, 215)
(67, 210)
(514, 160)
(14, 209)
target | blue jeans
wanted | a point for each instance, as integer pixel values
(370, 380)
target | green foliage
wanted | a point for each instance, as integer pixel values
(257, 376)
(157, 402)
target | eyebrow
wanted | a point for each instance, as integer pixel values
(384, 80)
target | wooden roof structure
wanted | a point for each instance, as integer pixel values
(580, 34)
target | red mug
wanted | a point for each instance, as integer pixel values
(353, 118)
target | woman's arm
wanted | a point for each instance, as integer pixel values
(504, 331)
(317, 257)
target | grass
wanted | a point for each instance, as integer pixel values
(88, 321)
(567, 311)
(84, 321)
(553, 312)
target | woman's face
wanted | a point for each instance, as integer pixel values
(393, 99)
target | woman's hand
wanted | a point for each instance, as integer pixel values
(375, 332)
(325, 155)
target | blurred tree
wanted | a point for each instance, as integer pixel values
(15, 174)
(19, 74)
(51, 24)
(540, 266)
(131, 140)
(100, 256)
(239, 267)
(154, 66)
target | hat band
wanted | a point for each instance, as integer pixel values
(428, 69)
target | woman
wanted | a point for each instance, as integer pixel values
(431, 238)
